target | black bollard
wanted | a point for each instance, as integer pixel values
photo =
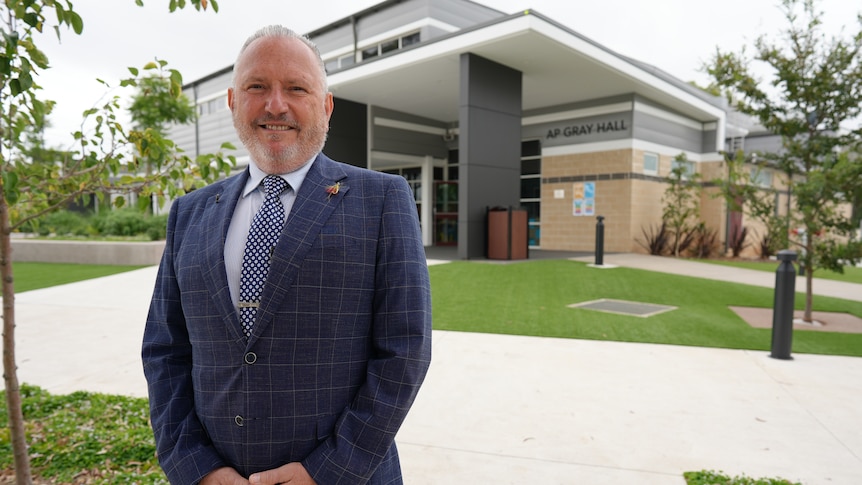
(782, 311)
(600, 240)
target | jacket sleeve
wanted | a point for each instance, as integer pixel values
(401, 353)
(183, 447)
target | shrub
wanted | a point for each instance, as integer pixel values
(737, 241)
(62, 223)
(126, 222)
(707, 477)
(704, 241)
(157, 227)
(122, 222)
(767, 243)
(655, 240)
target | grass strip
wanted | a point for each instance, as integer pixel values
(851, 274)
(33, 276)
(532, 298)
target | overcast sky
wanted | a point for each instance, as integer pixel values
(677, 36)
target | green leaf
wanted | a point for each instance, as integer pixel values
(10, 187)
(61, 12)
(15, 87)
(36, 56)
(151, 65)
(133, 70)
(5, 66)
(32, 20)
(76, 21)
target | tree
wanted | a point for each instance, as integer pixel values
(759, 203)
(102, 161)
(681, 200)
(158, 102)
(812, 100)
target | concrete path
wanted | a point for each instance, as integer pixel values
(499, 409)
(837, 289)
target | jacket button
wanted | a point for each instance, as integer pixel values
(238, 420)
(250, 358)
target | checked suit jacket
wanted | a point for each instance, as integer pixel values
(339, 349)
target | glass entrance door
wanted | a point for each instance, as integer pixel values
(445, 213)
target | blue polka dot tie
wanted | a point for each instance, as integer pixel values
(262, 237)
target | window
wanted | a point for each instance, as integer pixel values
(390, 45)
(370, 52)
(761, 177)
(409, 40)
(687, 168)
(651, 163)
(340, 62)
(213, 105)
(531, 188)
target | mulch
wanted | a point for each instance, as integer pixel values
(823, 321)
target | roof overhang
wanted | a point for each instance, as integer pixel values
(559, 67)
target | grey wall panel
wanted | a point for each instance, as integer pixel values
(348, 133)
(394, 140)
(184, 137)
(378, 111)
(336, 38)
(214, 130)
(489, 147)
(665, 132)
(763, 143)
(393, 18)
(408, 141)
(462, 14)
(213, 86)
(709, 141)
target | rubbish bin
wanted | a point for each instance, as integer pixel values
(507, 233)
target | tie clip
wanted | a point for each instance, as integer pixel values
(249, 304)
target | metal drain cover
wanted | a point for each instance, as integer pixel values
(622, 307)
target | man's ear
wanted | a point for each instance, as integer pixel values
(230, 98)
(329, 106)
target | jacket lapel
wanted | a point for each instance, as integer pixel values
(315, 202)
(217, 216)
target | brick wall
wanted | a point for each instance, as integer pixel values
(629, 200)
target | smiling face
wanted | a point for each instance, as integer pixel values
(279, 103)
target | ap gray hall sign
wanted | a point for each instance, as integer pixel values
(585, 130)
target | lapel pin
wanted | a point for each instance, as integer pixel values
(333, 190)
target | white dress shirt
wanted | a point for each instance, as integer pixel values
(246, 207)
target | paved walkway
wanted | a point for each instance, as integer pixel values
(499, 409)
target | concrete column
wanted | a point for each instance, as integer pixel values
(489, 147)
(427, 190)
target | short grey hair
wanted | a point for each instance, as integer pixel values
(282, 31)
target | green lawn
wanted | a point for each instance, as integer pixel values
(532, 298)
(32, 276)
(852, 274)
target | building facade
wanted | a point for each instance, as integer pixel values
(480, 109)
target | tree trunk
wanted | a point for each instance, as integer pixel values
(10, 369)
(809, 294)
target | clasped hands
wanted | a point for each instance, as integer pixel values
(292, 474)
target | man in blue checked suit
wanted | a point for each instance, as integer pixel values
(314, 387)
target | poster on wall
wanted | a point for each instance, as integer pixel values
(584, 199)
